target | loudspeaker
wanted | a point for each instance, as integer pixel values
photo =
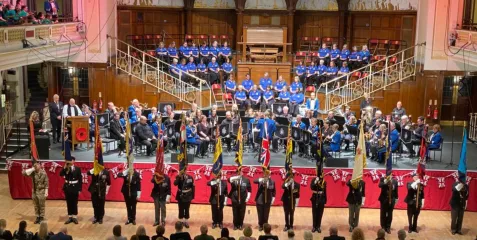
(337, 162)
(190, 158)
(42, 144)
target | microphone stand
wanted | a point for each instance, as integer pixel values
(452, 146)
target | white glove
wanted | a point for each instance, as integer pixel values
(260, 180)
(273, 200)
(418, 180)
(46, 192)
(316, 180)
(29, 171)
(385, 180)
(459, 186)
(212, 183)
(287, 184)
(125, 172)
(296, 202)
(107, 189)
(362, 201)
(234, 178)
(396, 200)
(168, 198)
(414, 185)
(138, 195)
(248, 197)
(91, 171)
(225, 201)
(422, 203)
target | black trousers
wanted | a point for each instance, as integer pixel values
(386, 214)
(122, 144)
(131, 203)
(238, 211)
(56, 129)
(184, 209)
(150, 145)
(289, 214)
(72, 203)
(412, 215)
(263, 211)
(317, 212)
(457, 216)
(217, 213)
(98, 206)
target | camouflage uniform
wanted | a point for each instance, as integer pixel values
(40, 185)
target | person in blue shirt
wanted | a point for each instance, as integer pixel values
(214, 50)
(225, 53)
(194, 50)
(313, 104)
(332, 71)
(364, 55)
(255, 97)
(265, 81)
(394, 137)
(161, 52)
(247, 83)
(192, 137)
(213, 69)
(280, 84)
(335, 53)
(324, 53)
(156, 126)
(132, 109)
(183, 67)
(314, 129)
(296, 86)
(204, 53)
(201, 69)
(321, 72)
(136, 117)
(352, 122)
(271, 127)
(296, 100)
(191, 67)
(172, 52)
(241, 98)
(251, 122)
(227, 69)
(268, 98)
(151, 116)
(354, 58)
(335, 141)
(230, 85)
(311, 76)
(344, 54)
(174, 69)
(185, 51)
(301, 125)
(284, 95)
(301, 72)
(344, 69)
(435, 140)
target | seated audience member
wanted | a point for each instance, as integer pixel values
(255, 97)
(157, 126)
(313, 104)
(296, 100)
(324, 53)
(357, 234)
(354, 58)
(331, 71)
(381, 234)
(333, 234)
(224, 234)
(43, 233)
(204, 52)
(279, 84)
(47, 19)
(225, 53)
(267, 229)
(23, 12)
(393, 136)
(331, 116)
(265, 81)
(195, 52)
(401, 234)
(284, 95)
(247, 234)
(241, 98)
(213, 69)
(344, 69)
(230, 85)
(179, 234)
(183, 67)
(192, 137)
(151, 116)
(364, 55)
(214, 50)
(4, 233)
(348, 137)
(192, 68)
(160, 230)
(335, 53)
(268, 98)
(296, 86)
(335, 141)
(300, 72)
(62, 235)
(311, 76)
(174, 70)
(117, 234)
(344, 53)
(172, 52)
(307, 235)
(247, 83)
(436, 138)
(22, 233)
(201, 69)
(184, 51)
(227, 69)
(141, 233)
(321, 72)
(146, 136)
(291, 234)
(203, 234)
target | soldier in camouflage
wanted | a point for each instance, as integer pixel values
(39, 189)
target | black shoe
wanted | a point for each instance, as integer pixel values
(350, 229)
(100, 221)
(388, 231)
(70, 220)
(453, 233)
(409, 231)
(241, 227)
(155, 224)
(95, 221)
(163, 224)
(54, 142)
(318, 230)
(221, 225)
(460, 233)
(300, 155)
(128, 222)
(133, 222)
(37, 221)
(415, 230)
(285, 229)
(214, 226)
(313, 230)
(235, 228)
(75, 220)
(186, 225)
(260, 228)
(42, 219)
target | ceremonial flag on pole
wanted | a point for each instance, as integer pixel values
(182, 157)
(129, 146)
(239, 150)
(218, 162)
(359, 159)
(462, 169)
(159, 170)
(33, 148)
(389, 159)
(421, 166)
(67, 150)
(320, 158)
(98, 149)
(265, 154)
(288, 156)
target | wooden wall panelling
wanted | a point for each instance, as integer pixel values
(218, 22)
(315, 24)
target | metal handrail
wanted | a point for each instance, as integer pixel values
(5, 127)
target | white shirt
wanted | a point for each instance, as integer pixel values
(65, 111)
(312, 103)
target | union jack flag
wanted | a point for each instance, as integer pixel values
(265, 154)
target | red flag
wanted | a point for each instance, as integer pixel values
(33, 149)
(265, 154)
(421, 167)
(159, 170)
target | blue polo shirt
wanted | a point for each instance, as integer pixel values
(247, 84)
(311, 69)
(344, 54)
(300, 69)
(183, 68)
(255, 95)
(364, 55)
(225, 50)
(279, 85)
(214, 51)
(298, 98)
(335, 53)
(333, 70)
(161, 51)
(230, 85)
(344, 69)
(323, 52)
(353, 56)
(227, 67)
(284, 96)
(201, 67)
(204, 51)
(213, 66)
(184, 50)
(240, 95)
(321, 69)
(296, 86)
(195, 51)
(172, 52)
(265, 82)
(174, 67)
(191, 67)
(268, 95)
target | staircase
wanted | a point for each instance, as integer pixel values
(376, 76)
(38, 95)
(153, 72)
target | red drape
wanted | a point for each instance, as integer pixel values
(436, 198)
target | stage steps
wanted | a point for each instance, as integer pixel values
(18, 140)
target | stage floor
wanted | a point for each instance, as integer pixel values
(278, 159)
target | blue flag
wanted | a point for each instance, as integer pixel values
(388, 156)
(462, 169)
(67, 149)
(218, 162)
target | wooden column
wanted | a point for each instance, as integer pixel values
(343, 8)
(239, 8)
(290, 23)
(188, 6)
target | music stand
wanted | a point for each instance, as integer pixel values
(296, 133)
(306, 121)
(161, 107)
(103, 119)
(277, 108)
(306, 137)
(320, 123)
(170, 131)
(221, 113)
(235, 127)
(220, 119)
(224, 130)
(244, 127)
(133, 127)
(246, 119)
(282, 121)
(177, 116)
(205, 112)
(177, 126)
(398, 126)
(352, 130)
(282, 131)
(146, 112)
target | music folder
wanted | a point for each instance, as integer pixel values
(103, 119)
(282, 131)
(296, 133)
(282, 121)
(277, 108)
(224, 130)
(306, 121)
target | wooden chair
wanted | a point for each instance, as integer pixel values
(355, 76)
(309, 90)
(328, 41)
(305, 44)
(394, 46)
(224, 38)
(135, 40)
(218, 93)
(149, 42)
(315, 44)
(300, 56)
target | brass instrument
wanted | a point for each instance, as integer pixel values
(143, 105)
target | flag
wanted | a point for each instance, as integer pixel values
(239, 145)
(182, 157)
(98, 149)
(421, 166)
(288, 156)
(359, 159)
(159, 170)
(319, 157)
(265, 154)
(462, 169)
(67, 150)
(129, 146)
(33, 148)
(388, 156)
(218, 162)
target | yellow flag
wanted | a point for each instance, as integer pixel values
(359, 159)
